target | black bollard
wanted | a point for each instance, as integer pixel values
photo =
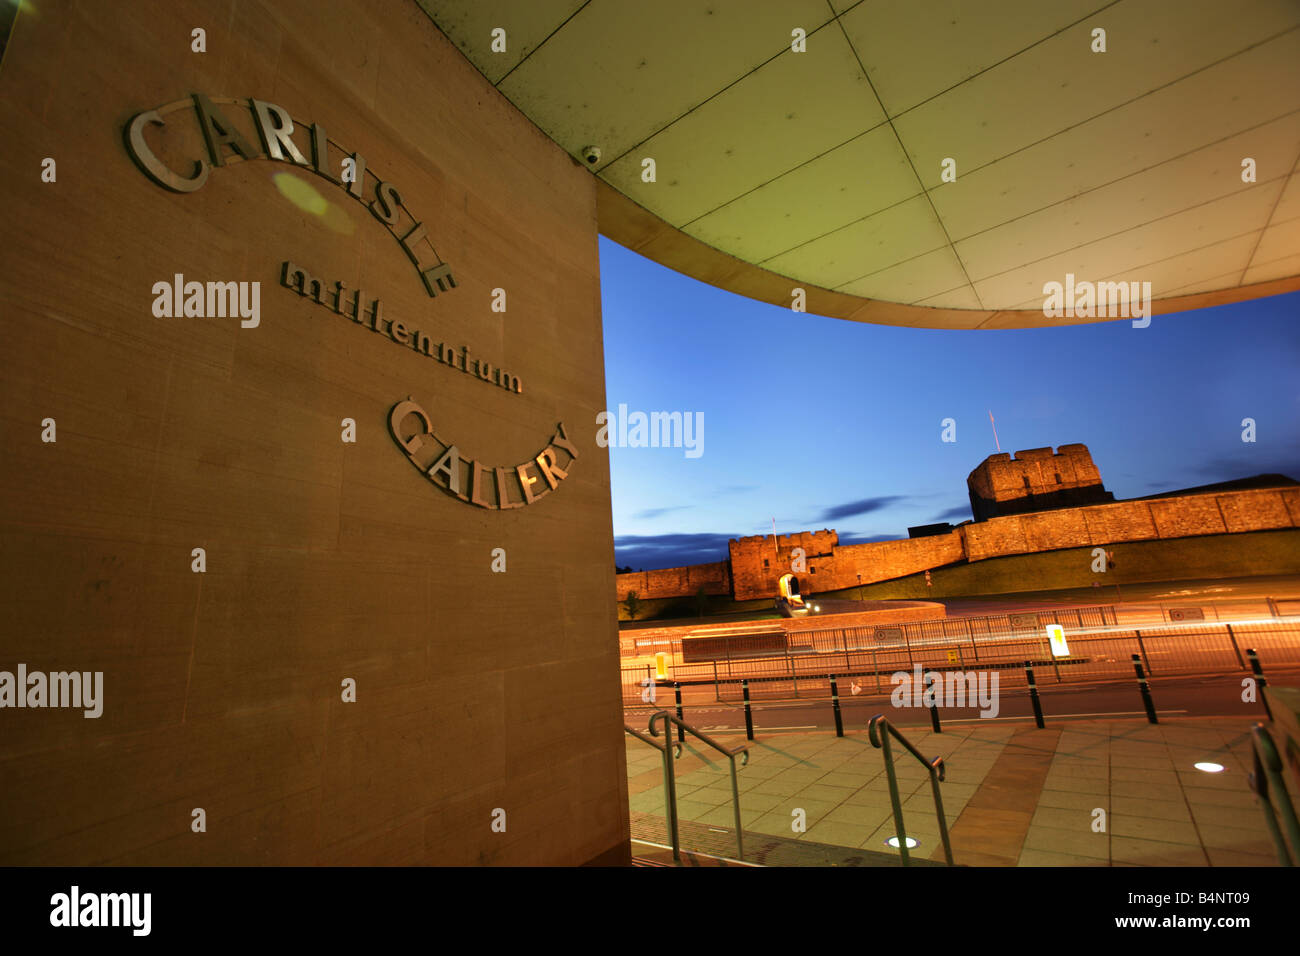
(1033, 696)
(749, 718)
(934, 717)
(1258, 670)
(681, 733)
(1146, 690)
(835, 705)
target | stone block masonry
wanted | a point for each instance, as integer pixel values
(686, 581)
(758, 562)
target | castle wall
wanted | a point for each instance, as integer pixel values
(1180, 517)
(686, 581)
(756, 564)
(1035, 479)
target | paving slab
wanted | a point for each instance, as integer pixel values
(1014, 795)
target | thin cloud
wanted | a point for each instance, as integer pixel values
(853, 538)
(650, 513)
(650, 552)
(863, 506)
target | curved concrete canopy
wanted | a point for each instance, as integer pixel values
(823, 169)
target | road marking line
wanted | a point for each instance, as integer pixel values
(1046, 717)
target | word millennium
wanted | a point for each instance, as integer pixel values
(465, 478)
(354, 307)
(273, 128)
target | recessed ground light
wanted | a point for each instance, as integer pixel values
(893, 841)
(1206, 766)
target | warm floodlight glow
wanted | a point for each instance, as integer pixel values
(1206, 766)
(307, 198)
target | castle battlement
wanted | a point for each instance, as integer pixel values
(1036, 479)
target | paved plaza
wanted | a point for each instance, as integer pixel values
(1013, 795)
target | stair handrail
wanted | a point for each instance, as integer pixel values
(731, 753)
(649, 740)
(1268, 770)
(879, 731)
(670, 810)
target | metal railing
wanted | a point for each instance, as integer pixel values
(1268, 771)
(638, 684)
(1095, 654)
(670, 752)
(967, 636)
(880, 730)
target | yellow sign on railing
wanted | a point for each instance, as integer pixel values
(1056, 634)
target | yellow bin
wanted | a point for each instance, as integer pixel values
(661, 666)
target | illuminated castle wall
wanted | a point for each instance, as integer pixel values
(1036, 501)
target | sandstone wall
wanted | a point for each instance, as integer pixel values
(686, 581)
(756, 565)
(325, 561)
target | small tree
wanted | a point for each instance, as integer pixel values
(701, 602)
(633, 604)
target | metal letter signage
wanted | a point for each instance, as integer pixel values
(497, 488)
(262, 130)
(275, 129)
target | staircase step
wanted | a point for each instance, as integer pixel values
(760, 848)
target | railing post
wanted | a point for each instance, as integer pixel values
(749, 718)
(1142, 647)
(735, 802)
(677, 691)
(1146, 690)
(1260, 681)
(835, 705)
(970, 630)
(936, 775)
(934, 716)
(1235, 649)
(1268, 769)
(897, 804)
(670, 785)
(1033, 695)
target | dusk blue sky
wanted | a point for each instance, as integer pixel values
(823, 423)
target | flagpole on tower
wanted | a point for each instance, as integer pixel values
(995, 430)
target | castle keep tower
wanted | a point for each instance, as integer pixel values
(1035, 480)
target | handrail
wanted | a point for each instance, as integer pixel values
(743, 749)
(1268, 769)
(880, 741)
(670, 809)
(653, 743)
(670, 775)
